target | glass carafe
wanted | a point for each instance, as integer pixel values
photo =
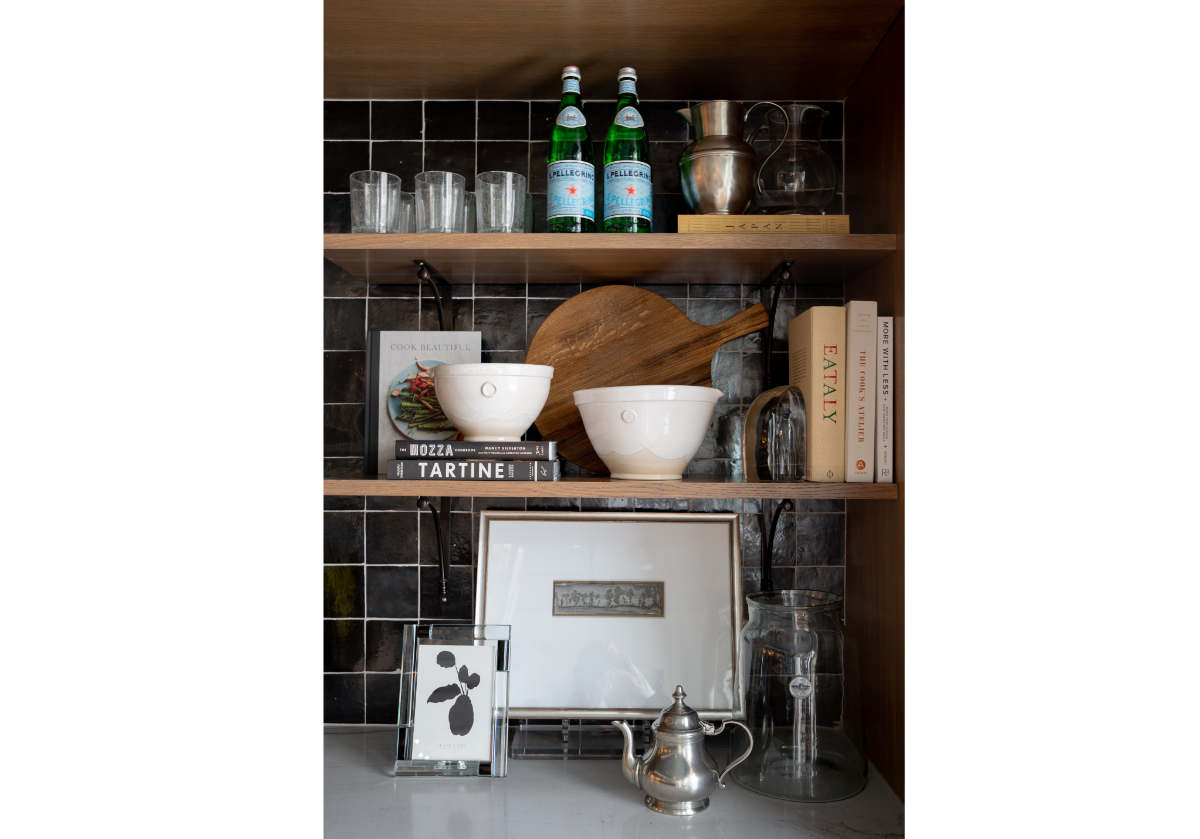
(800, 176)
(792, 665)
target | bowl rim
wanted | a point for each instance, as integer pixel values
(648, 393)
(532, 371)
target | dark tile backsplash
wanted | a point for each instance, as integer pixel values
(380, 559)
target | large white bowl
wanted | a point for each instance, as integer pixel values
(647, 432)
(492, 401)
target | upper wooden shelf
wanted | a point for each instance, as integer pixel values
(607, 488)
(649, 257)
(682, 49)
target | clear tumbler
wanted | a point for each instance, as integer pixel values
(500, 202)
(375, 202)
(441, 202)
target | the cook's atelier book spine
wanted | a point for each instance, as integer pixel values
(461, 449)
(473, 470)
(861, 340)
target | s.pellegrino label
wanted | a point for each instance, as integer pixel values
(627, 190)
(629, 117)
(571, 190)
(571, 117)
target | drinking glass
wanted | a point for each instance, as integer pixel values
(375, 202)
(470, 213)
(441, 202)
(408, 213)
(500, 202)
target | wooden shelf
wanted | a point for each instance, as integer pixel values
(607, 488)
(648, 257)
(717, 49)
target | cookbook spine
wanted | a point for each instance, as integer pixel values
(883, 387)
(861, 340)
(473, 470)
(816, 356)
(461, 449)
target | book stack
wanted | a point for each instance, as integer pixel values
(840, 357)
(464, 460)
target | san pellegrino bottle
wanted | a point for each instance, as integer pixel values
(570, 170)
(628, 196)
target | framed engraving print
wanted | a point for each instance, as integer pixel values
(612, 610)
(453, 711)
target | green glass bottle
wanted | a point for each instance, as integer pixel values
(628, 195)
(570, 167)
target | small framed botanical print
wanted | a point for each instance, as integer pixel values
(453, 715)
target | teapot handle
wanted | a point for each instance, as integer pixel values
(710, 729)
(787, 127)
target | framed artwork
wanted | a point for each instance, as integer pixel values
(612, 610)
(453, 712)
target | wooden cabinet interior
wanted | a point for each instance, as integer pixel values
(740, 49)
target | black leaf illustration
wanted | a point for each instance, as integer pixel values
(473, 681)
(462, 674)
(443, 693)
(445, 658)
(462, 715)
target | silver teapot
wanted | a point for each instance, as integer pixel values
(676, 773)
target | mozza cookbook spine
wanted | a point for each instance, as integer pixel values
(861, 339)
(817, 365)
(461, 449)
(473, 470)
(884, 379)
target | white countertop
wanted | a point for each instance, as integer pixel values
(577, 799)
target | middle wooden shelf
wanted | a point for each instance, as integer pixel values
(608, 488)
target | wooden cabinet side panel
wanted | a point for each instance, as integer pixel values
(875, 532)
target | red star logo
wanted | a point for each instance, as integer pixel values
(571, 190)
(630, 190)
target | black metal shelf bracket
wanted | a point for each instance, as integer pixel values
(767, 538)
(441, 535)
(440, 289)
(769, 289)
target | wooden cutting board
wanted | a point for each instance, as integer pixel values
(620, 335)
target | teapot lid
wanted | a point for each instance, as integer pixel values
(678, 717)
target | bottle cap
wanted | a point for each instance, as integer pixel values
(571, 71)
(627, 73)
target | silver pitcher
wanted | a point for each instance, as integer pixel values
(676, 773)
(716, 170)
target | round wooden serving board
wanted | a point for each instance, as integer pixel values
(620, 335)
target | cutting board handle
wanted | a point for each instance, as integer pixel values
(743, 323)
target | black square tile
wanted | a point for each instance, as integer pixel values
(537, 171)
(391, 313)
(819, 505)
(542, 113)
(341, 283)
(396, 120)
(343, 430)
(345, 374)
(343, 591)
(385, 645)
(401, 158)
(392, 591)
(828, 578)
(344, 325)
(391, 502)
(457, 156)
(751, 546)
(499, 290)
(450, 120)
(344, 537)
(460, 540)
(343, 646)
(343, 502)
(503, 357)
(391, 538)
(664, 167)
(538, 311)
(663, 122)
(460, 315)
(783, 549)
(460, 603)
(342, 157)
(344, 698)
(503, 120)
(502, 323)
(501, 156)
(398, 290)
(821, 539)
(347, 120)
(833, 125)
(383, 698)
(751, 382)
(667, 210)
(336, 209)
(724, 436)
(599, 114)
(343, 467)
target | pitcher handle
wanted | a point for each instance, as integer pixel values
(787, 127)
(717, 730)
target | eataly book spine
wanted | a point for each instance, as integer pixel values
(473, 470)
(861, 339)
(817, 365)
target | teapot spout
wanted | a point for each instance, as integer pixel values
(630, 765)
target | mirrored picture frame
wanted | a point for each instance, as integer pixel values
(612, 610)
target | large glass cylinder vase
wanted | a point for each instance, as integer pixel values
(792, 652)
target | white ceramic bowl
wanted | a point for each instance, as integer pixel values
(646, 432)
(492, 401)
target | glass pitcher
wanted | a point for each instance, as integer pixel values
(799, 176)
(792, 661)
